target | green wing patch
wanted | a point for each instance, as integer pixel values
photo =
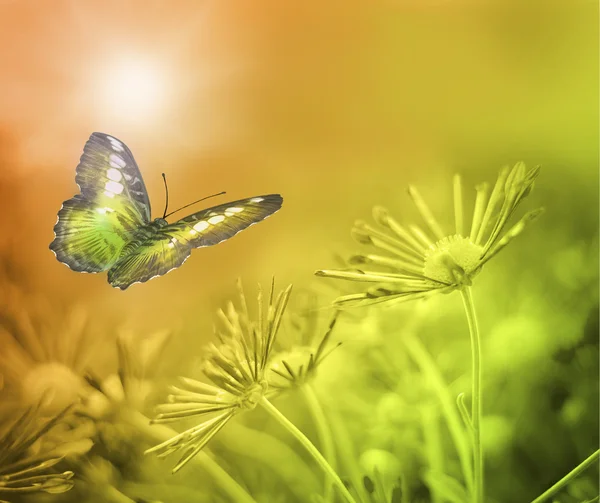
(154, 257)
(88, 238)
(94, 226)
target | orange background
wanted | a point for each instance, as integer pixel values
(335, 105)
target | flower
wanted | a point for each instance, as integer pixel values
(27, 463)
(297, 361)
(419, 262)
(113, 406)
(44, 352)
(133, 382)
(237, 368)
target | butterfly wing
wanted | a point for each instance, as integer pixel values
(94, 226)
(172, 244)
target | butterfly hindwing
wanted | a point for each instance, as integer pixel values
(169, 246)
(152, 257)
(94, 226)
(86, 240)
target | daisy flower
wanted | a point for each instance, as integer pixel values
(237, 367)
(418, 261)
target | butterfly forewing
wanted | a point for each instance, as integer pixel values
(170, 246)
(107, 169)
(213, 225)
(93, 227)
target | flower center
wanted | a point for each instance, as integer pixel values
(253, 395)
(53, 384)
(453, 260)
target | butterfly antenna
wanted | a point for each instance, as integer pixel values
(183, 207)
(166, 196)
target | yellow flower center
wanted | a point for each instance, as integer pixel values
(53, 384)
(453, 260)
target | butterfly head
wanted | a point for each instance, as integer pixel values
(160, 222)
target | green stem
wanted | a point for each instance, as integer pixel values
(324, 434)
(158, 433)
(584, 465)
(433, 446)
(270, 408)
(478, 489)
(426, 364)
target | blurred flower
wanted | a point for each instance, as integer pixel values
(293, 366)
(111, 406)
(115, 402)
(237, 367)
(133, 382)
(425, 261)
(28, 462)
(44, 351)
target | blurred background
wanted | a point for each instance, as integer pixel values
(338, 106)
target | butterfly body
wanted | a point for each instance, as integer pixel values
(149, 232)
(107, 227)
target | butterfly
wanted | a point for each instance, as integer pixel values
(108, 226)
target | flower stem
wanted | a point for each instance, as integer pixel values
(321, 461)
(478, 489)
(584, 465)
(324, 434)
(160, 433)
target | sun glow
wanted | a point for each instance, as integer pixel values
(132, 89)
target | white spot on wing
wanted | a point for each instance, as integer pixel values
(257, 200)
(114, 187)
(108, 193)
(117, 160)
(229, 212)
(201, 226)
(114, 174)
(105, 210)
(115, 144)
(217, 219)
